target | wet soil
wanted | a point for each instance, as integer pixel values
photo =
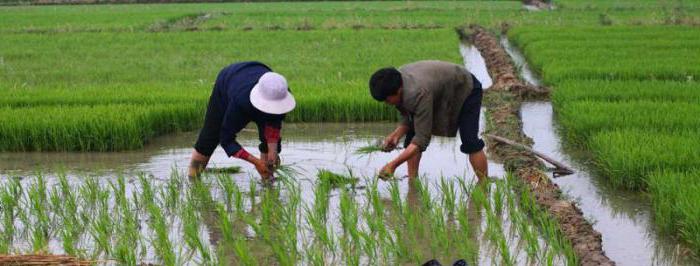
(502, 102)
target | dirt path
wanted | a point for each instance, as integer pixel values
(502, 102)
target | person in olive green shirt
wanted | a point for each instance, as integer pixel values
(434, 98)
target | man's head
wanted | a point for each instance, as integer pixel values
(385, 85)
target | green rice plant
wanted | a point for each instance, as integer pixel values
(72, 226)
(395, 193)
(191, 222)
(668, 59)
(160, 241)
(101, 222)
(449, 195)
(584, 118)
(675, 197)
(291, 218)
(224, 170)
(9, 196)
(252, 189)
(625, 90)
(230, 189)
(128, 240)
(38, 204)
(91, 128)
(336, 180)
(171, 192)
(371, 148)
(350, 240)
(627, 157)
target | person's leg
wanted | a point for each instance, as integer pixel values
(480, 164)
(208, 137)
(413, 165)
(469, 131)
(198, 163)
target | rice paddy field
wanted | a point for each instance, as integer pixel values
(107, 83)
(629, 96)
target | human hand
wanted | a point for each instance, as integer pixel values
(263, 170)
(387, 171)
(390, 143)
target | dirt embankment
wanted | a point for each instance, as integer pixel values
(502, 102)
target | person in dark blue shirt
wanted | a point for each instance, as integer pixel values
(244, 92)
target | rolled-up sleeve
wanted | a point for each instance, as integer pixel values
(423, 120)
(233, 122)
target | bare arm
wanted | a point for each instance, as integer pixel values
(406, 154)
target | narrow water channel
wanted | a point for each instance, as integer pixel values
(622, 217)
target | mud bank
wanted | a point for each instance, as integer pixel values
(502, 102)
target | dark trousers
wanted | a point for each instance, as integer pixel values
(209, 136)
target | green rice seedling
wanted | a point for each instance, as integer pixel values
(498, 197)
(229, 188)
(466, 236)
(396, 197)
(336, 180)
(321, 234)
(252, 190)
(369, 149)
(631, 155)
(111, 127)
(375, 220)
(101, 227)
(350, 241)
(161, 241)
(448, 195)
(290, 218)
(9, 196)
(224, 170)
(89, 193)
(171, 192)
(673, 196)
(38, 204)
(72, 225)
(585, 118)
(191, 222)
(127, 240)
(317, 217)
(620, 91)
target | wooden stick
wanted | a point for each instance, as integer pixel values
(561, 169)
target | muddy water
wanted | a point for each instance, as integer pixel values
(306, 146)
(520, 62)
(475, 63)
(623, 218)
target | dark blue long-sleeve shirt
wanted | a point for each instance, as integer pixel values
(233, 86)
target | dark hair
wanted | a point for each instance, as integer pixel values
(385, 82)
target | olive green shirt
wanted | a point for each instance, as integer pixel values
(433, 93)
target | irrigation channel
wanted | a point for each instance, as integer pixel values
(623, 218)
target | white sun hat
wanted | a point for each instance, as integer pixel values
(271, 94)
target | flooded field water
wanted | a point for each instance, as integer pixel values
(307, 148)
